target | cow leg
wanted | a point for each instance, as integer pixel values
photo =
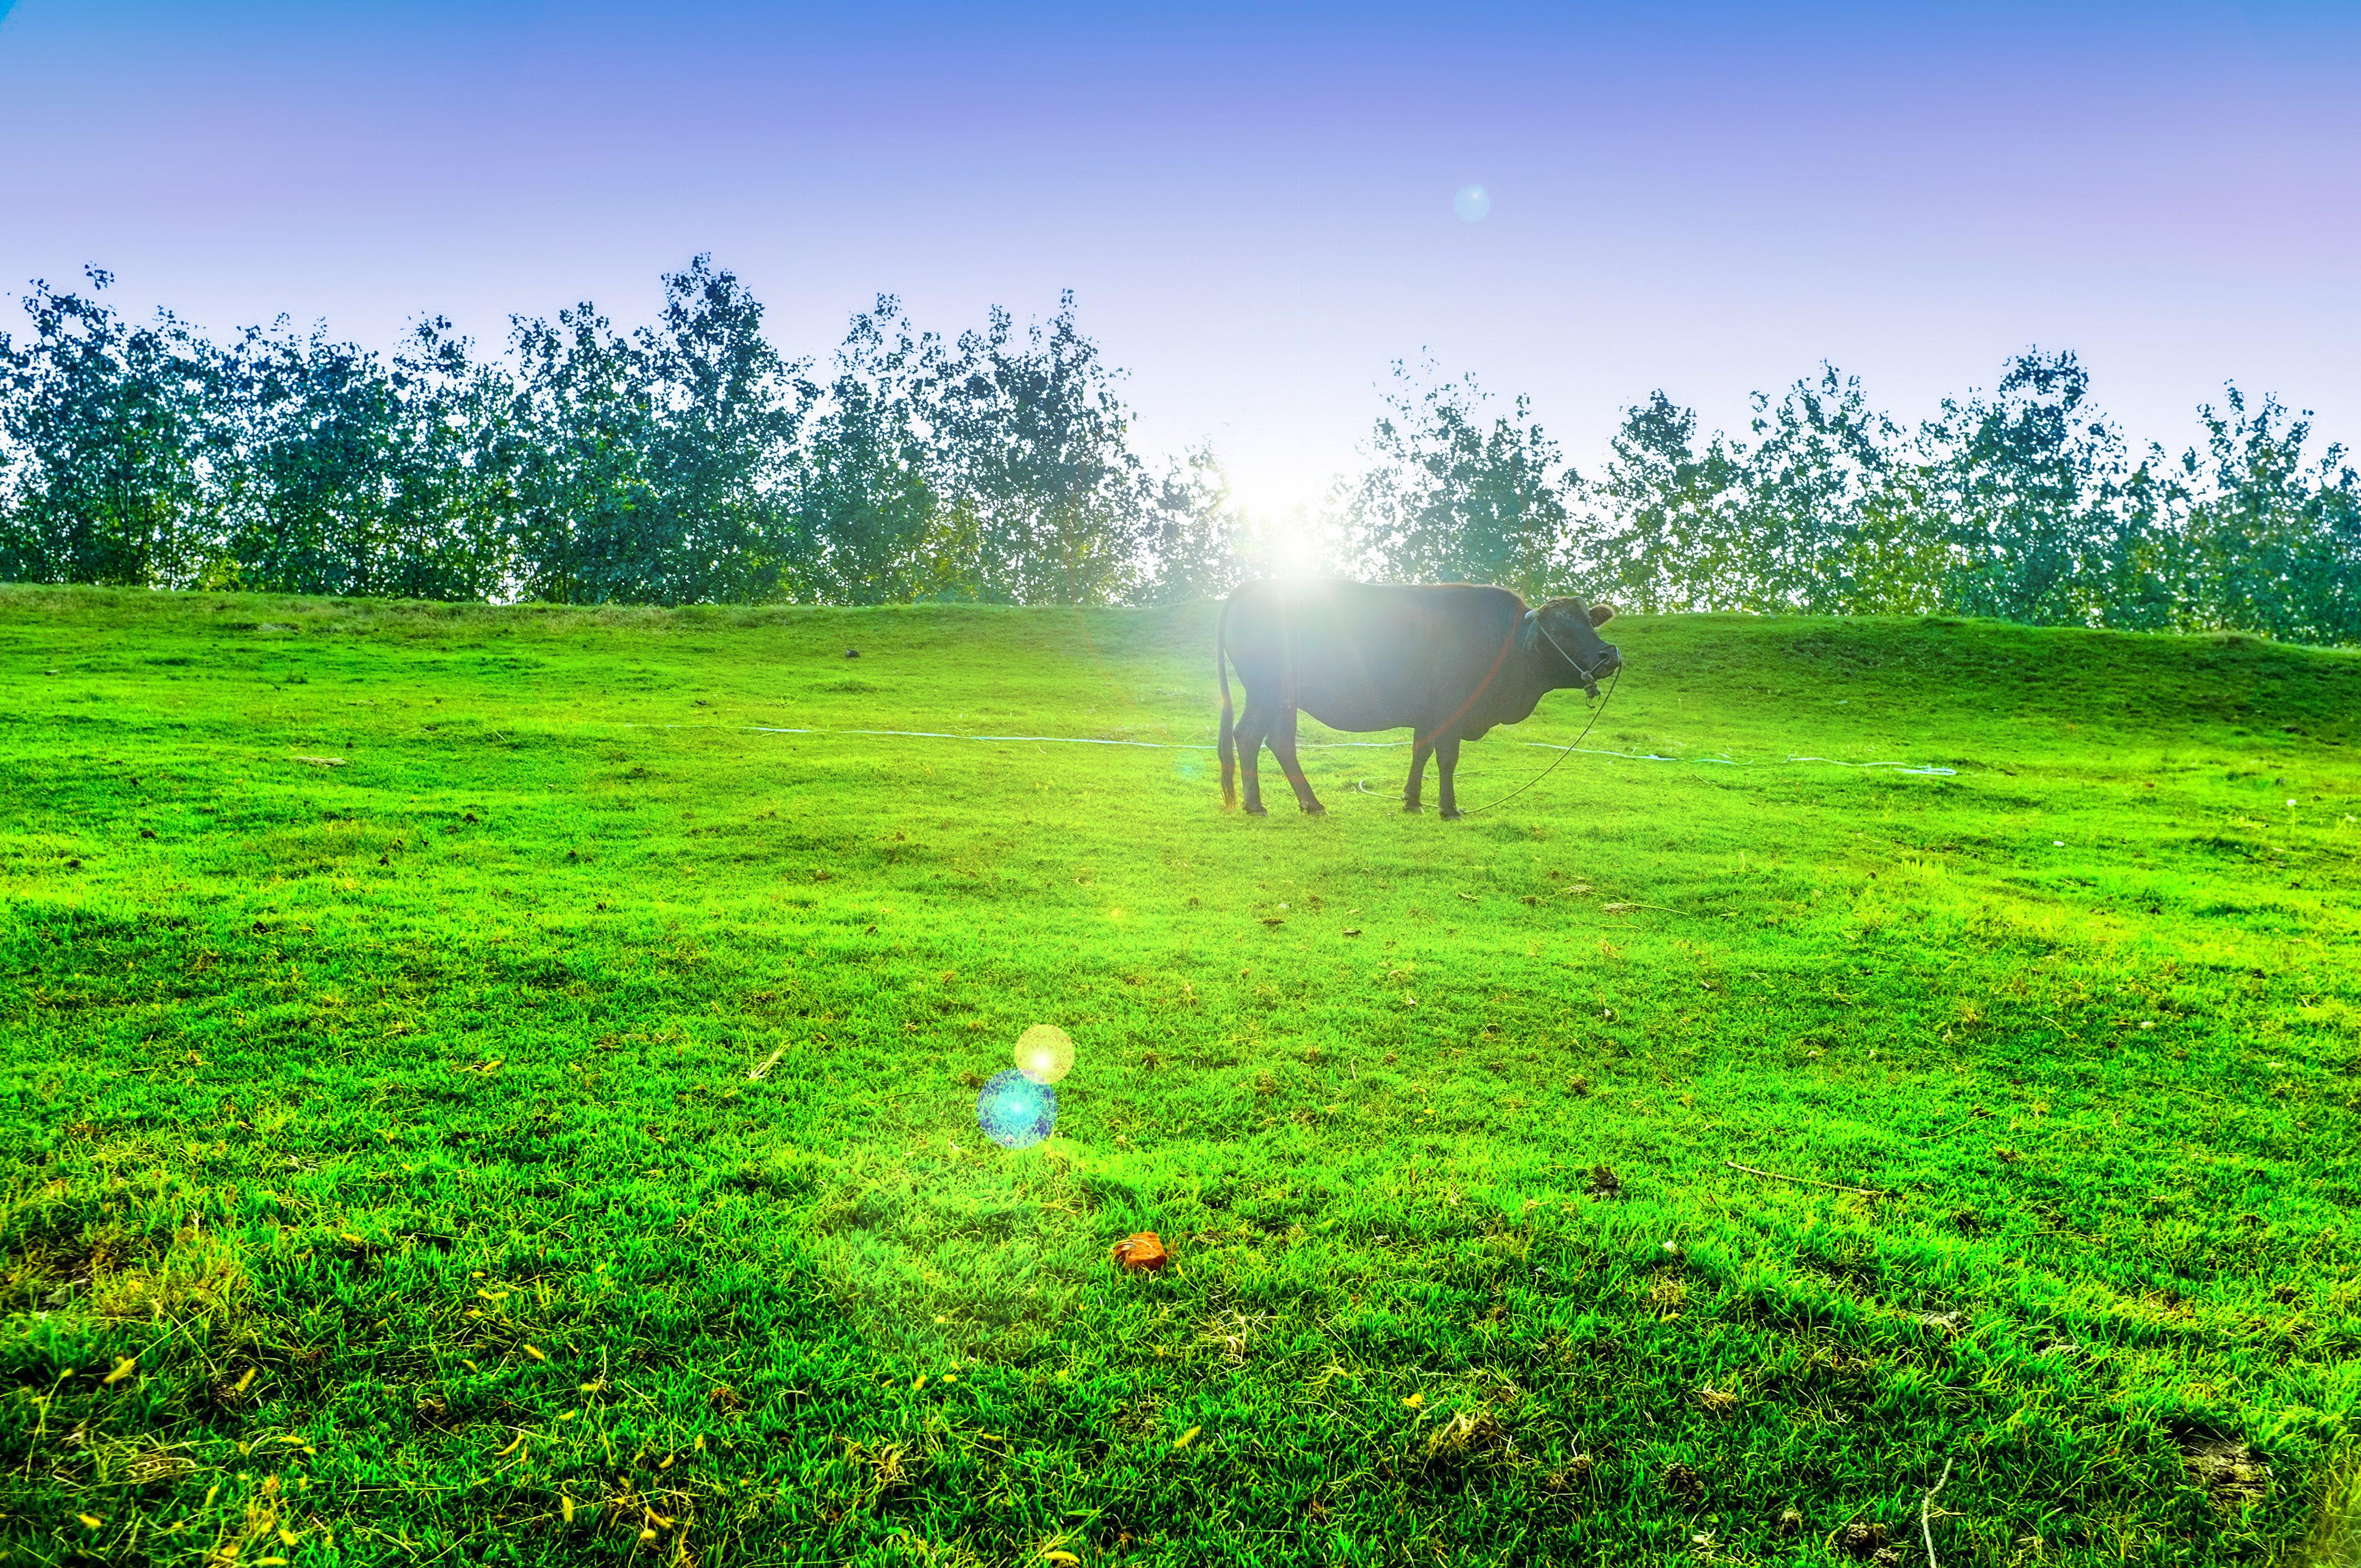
(1253, 720)
(1419, 752)
(1446, 758)
(1282, 746)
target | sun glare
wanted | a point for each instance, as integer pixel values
(1283, 536)
(1293, 552)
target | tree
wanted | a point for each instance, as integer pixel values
(657, 466)
(1199, 530)
(724, 410)
(869, 514)
(2028, 480)
(351, 475)
(1451, 496)
(1827, 520)
(575, 444)
(2148, 581)
(109, 428)
(2274, 537)
(1044, 491)
(317, 464)
(1658, 529)
(450, 528)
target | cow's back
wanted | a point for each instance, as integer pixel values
(1360, 656)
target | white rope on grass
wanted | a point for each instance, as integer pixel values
(940, 735)
(1926, 1530)
(1715, 761)
(1897, 767)
(1932, 771)
(1041, 739)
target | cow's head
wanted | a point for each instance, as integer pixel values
(1563, 638)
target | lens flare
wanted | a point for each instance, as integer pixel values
(1471, 203)
(1015, 1111)
(1043, 1053)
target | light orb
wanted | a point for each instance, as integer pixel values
(1043, 1053)
(1471, 203)
(1015, 1111)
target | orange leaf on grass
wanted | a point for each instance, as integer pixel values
(1141, 1253)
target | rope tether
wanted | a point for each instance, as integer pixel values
(1720, 761)
(1612, 683)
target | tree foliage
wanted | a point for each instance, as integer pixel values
(690, 461)
(2024, 503)
(1037, 464)
(868, 509)
(346, 474)
(1454, 493)
(111, 432)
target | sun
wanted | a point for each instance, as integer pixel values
(1294, 551)
(1284, 534)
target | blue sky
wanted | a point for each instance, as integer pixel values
(1254, 203)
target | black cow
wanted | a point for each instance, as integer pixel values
(1446, 661)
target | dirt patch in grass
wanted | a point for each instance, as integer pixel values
(2229, 1470)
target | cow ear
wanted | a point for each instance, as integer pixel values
(1600, 614)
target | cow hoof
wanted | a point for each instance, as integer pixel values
(1256, 811)
(1451, 814)
(1412, 807)
(1315, 809)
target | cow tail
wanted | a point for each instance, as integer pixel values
(1229, 746)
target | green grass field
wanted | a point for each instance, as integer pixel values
(395, 1176)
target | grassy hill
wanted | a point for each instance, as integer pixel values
(499, 1084)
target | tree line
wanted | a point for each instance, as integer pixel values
(2024, 503)
(690, 461)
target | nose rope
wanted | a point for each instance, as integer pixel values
(1589, 673)
(1612, 682)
